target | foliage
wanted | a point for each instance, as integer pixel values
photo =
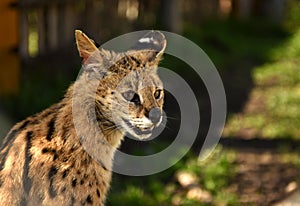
(231, 41)
(214, 174)
(217, 170)
(292, 15)
(277, 86)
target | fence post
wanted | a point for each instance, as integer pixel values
(53, 26)
(70, 17)
(41, 30)
(23, 33)
(9, 64)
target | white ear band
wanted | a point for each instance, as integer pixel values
(146, 40)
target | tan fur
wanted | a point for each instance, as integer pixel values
(63, 155)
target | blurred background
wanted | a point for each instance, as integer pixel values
(255, 45)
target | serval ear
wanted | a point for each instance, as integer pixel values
(92, 61)
(85, 45)
(153, 45)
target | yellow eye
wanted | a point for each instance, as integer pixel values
(157, 94)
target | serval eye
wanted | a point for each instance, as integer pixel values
(131, 96)
(157, 94)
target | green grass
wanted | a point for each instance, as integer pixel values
(213, 176)
(277, 85)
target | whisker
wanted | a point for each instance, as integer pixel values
(111, 127)
(164, 124)
(173, 118)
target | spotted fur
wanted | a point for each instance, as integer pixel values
(63, 155)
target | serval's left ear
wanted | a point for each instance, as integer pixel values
(153, 45)
(86, 47)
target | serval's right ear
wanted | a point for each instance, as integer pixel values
(86, 47)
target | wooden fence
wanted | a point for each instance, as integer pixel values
(40, 27)
(46, 26)
(49, 25)
(10, 64)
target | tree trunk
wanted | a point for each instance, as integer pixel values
(53, 26)
(171, 14)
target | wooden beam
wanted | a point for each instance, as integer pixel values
(53, 26)
(41, 30)
(23, 34)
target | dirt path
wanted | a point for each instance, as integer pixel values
(265, 176)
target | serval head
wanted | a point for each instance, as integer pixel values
(129, 95)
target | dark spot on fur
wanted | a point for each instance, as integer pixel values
(24, 125)
(101, 103)
(52, 151)
(23, 201)
(27, 182)
(72, 201)
(74, 182)
(102, 165)
(103, 183)
(65, 173)
(103, 96)
(55, 156)
(73, 149)
(41, 198)
(36, 121)
(8, 140)
(65, 159)
(45, 150)
(90, 184)
(123, 60)
(86, 161)
(136, 61)
(64, 133)
(103, 74)
(51, 174)
(51, 129)
(98, 192)
(78, 172)
(89, 199)
(63, 189)
(82, 182)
